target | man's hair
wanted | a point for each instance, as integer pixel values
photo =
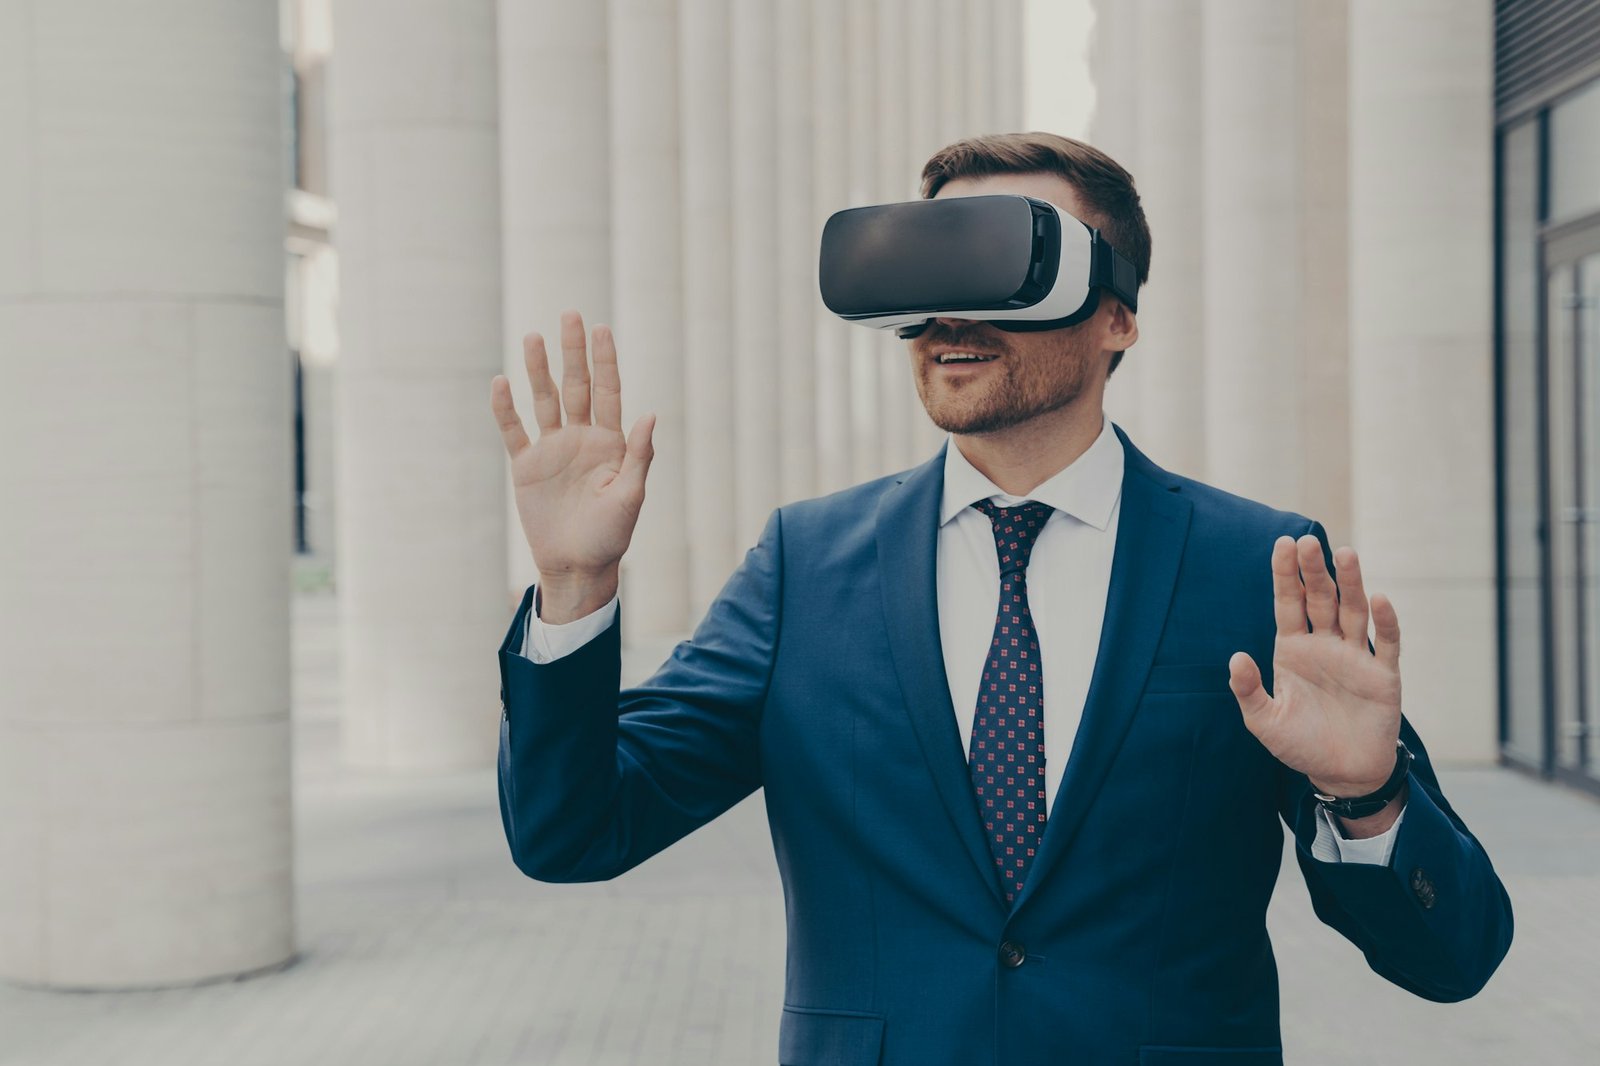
(1105, 190)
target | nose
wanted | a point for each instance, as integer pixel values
(956, 323)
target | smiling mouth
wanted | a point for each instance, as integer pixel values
(963, 358)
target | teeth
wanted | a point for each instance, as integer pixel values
(964, 357)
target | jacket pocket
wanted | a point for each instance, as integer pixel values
(808, 1037)
(1210, 1056)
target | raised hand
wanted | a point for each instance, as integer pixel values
(580, 486)
(1334, 714)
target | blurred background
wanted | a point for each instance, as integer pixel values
(259, 261)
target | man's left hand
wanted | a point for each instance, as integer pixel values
(1334, 714)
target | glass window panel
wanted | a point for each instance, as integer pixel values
(1587, 517)
(1562, 308)
(1575, 154)
(1519, 385)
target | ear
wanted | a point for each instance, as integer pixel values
(1122, 326)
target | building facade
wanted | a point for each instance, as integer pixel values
(1547, 358)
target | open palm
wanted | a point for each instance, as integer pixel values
(580, 486)
(1334, 714)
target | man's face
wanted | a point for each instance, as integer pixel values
(1032, 373)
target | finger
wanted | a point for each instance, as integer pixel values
(1322, 596)
(607, 381)
(574, 369)
(546, 404)
(1288, 594)
(1386, 628)
(505, 413)
(1352, 597)
(1244, 677)
(641, 450)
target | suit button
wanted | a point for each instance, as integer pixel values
(1423, 889)
(1013, 954)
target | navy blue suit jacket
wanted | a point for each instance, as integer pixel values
(1141, 935)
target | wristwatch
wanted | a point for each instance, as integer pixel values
(1372, 802)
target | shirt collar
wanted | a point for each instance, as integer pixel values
(1087, 489)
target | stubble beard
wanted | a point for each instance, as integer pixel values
(1025, 390)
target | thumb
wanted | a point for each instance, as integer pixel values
(1244, 677)
(636, 462)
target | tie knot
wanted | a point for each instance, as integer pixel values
(1015, 529)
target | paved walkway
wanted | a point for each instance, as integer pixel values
(421, 944)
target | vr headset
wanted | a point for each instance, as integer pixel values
(1017, 262)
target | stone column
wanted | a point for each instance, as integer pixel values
(797, 253)
(1008, 65)
(422, 530)
(830, 191)
(647, 290)
(1167, 142)
(866, 347)
(954, 59)
(979, 37)
(1255, 436)
(1113, 128)
(754, 99)
(1324, 148)
(1421, 343)
(926, 128)
(895, 181)
(555, 196)
(708, 355)
(145, 469)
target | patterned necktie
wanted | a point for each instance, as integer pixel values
(1006, 756)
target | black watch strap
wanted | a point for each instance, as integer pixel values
(1372, 802)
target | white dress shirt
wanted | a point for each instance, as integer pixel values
(1071, 557)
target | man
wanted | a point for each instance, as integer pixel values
(918, 669)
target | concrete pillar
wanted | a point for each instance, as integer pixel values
(647, 290)
(1167, 142)
(926, 128)
(1421, 382)
(980, 69)
(709, 352)
(757, 463)
(1324, 149)
(797, 253)
(422, 578)
(555, 196)
(866, 347)
(954, 59)
(898, 400)
(1255, 438)
(830, 191)
(145, 467)
(1008, 65)
(1113, 125)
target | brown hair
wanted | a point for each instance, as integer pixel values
(1105, 190)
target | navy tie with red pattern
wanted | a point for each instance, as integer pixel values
(1006, 755)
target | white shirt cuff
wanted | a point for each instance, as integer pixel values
(547, 641)
(1330, 844)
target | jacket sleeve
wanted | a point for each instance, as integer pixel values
(595, 779)
(1435, 920)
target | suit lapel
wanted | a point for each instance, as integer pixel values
(908, 535)
(1151, 530)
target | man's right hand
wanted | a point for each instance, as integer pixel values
(579, 488)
